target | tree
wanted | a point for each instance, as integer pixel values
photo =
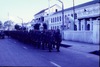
(8, 24)
(23, 28)
(17, 27)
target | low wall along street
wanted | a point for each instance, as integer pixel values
(91, 36)
(81, 36)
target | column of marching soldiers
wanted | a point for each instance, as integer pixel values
(46, 39)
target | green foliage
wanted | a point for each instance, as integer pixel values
(8, 23)
(17, 27)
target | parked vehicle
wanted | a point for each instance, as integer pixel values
(2, 35)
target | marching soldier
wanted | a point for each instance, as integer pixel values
(58, 39)
(49, 40)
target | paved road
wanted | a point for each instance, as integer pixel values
(14, 53)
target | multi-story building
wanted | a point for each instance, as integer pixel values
(84, 15)
(40, 16)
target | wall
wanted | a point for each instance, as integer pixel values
(96, 31)
(81, 36)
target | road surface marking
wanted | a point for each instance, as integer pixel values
(55, 64)
(15, 42)
(25, 47)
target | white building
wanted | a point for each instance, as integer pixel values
(43, 14)
(84, 15)
(85, 26)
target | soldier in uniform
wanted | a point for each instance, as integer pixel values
(38, 39)
(49, 40)
(58, 39)
(43, 39)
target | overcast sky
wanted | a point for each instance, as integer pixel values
(26, 9)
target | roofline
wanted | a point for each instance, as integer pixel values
(45, 9)
(81, 5)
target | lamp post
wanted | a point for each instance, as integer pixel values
(48, 22)
(73, 14)
(62, 32)
(21, 20)
(62, 14)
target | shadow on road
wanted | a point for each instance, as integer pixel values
(64, 45)
(96, 52)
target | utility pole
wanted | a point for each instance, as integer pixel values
(62, 26)
(62, 14)
(73, 13)
(48, 14)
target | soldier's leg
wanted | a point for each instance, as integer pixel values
(53, 44)
(43, 44)
(58, 47)
(38, 44)
(50, 47)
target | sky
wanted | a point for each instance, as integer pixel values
(18, 10)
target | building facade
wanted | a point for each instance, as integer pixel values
(81, 22)
(41, 16)
(81, 18)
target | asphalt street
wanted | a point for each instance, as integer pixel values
(15, 53)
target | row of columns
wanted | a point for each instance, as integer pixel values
(84, 24)
(94, 27)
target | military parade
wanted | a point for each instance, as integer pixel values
(46, 39)
(49, 33)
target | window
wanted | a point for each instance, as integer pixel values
(88, 26)
(57, 27)
(60, 18)
(65, 16)
(82, 27)
(51, 27)
(56, 10)
(47, 14)
(75, 27)
(75, 16)
(42, 19)
(72, 15)
(55, 19)
(85, 10)
(79, 24)
(51, 20)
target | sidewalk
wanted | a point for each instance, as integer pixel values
(79, 46)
